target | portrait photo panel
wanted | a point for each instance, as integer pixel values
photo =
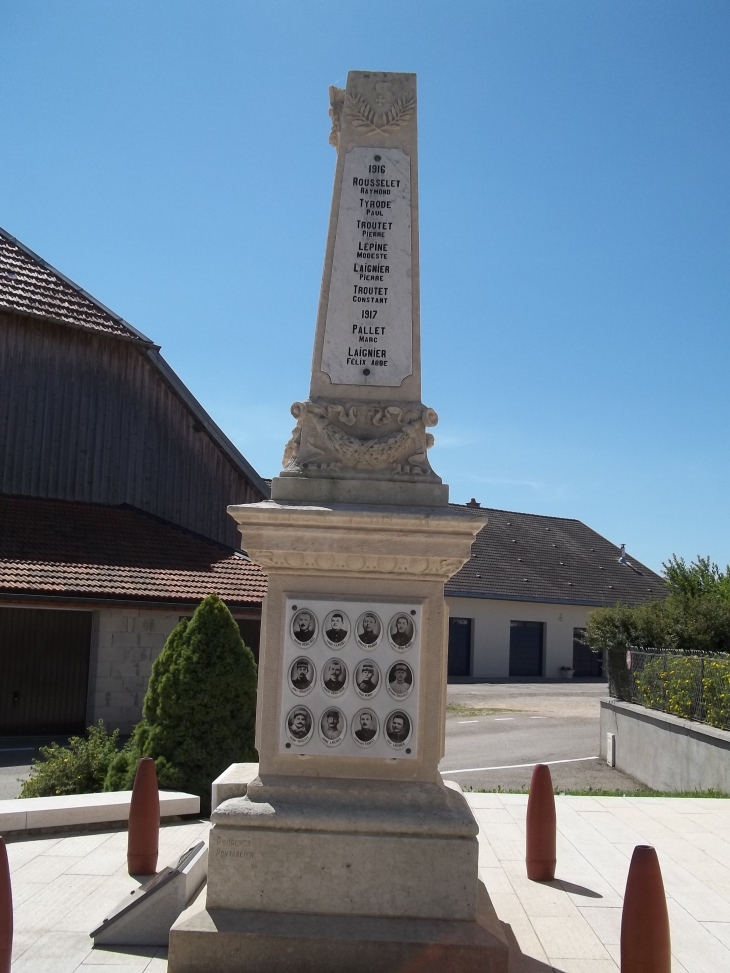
(336, 629)
(304, 628)
(299, 725)
(368, 631)
(302, 676)
(401, 631)
(350, 678)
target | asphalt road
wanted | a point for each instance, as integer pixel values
(496, 733)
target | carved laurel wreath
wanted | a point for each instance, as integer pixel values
(364, 117)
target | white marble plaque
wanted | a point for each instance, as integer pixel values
(350, 678)
(368, 337)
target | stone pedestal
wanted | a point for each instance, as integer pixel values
(376, 843)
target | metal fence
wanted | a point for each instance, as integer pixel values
(691, 685)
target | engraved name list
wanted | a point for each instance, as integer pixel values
(369, 326)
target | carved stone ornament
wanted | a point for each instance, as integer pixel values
(385, 116)
(337, 101)
(437, 568)
(346, 439)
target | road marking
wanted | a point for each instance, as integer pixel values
(502, 719)
(16, 749)
(473, 770)
(468, 721)
(538, 717)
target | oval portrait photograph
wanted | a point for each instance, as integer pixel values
(301, 676)
(336, 629)
(334, 677)
(367, 679)
(304, 628)
(299, 725)
(368, 630)
(365, 728)
(400, 680)
(401, 632)
(398, 729)
(332, 727)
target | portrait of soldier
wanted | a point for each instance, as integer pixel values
(337, 630)
(331, 724)
(369, 631)
(299, 723)
(400, 679)
(401, 631)
(302, 674)
(398, 727)
(334, 675)
(303, 627)
(367, 677)
(367, 728)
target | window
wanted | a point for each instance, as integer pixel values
(459, 647)
(526, 648)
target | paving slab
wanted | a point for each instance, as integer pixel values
(65, 885)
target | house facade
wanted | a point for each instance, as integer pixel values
(114, 484)
(519, 605)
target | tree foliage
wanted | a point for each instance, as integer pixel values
(695, 614)
(200, 707)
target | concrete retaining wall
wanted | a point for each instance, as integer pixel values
(665, 752)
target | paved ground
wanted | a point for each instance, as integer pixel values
(573, 924)
(16, 754)
(497, 731)
(65, 886)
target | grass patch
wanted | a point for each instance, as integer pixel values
(599, 792)
(459, 709)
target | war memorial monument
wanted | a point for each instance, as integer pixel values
(348, 852)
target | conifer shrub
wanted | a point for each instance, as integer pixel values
(199, 709)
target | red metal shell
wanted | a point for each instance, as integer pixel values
(144, 821)
(541, 856)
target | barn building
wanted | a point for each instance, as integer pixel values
(114, 484)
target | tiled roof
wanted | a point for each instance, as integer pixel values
(533, 558)
(84, 550)
(29, 285)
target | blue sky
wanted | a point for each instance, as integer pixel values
(172, 158)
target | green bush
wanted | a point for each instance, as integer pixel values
(671, 684)
(80, 768)
(694, 615)
(200, 707)
(716, 692)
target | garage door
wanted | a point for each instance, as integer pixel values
(460, 646)
(44, 671)
(525, 648)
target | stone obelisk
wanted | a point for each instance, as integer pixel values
(348, 852)
(361, 436)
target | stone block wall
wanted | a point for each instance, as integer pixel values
(126, 644)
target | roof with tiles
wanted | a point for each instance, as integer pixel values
(59, 548)
(29, 285)
(528, 557)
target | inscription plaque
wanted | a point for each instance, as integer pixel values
(368, 337)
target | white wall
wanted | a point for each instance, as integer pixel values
(127, 643)
(491, 626)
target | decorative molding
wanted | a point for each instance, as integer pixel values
(337, 101)
(328, 562)
(373, 121)
(378, 437)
